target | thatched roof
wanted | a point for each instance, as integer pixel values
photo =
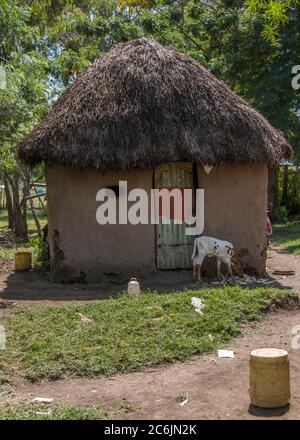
(144, 104)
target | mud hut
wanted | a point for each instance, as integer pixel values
(155, 118)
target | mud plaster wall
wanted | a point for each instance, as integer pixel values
(235, 200)
(87, 249)
(80, 248)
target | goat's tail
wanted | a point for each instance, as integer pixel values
(194, 250)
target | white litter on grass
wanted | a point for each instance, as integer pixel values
(184, 401)
(42, 400)
(42, 413)
(198, 304)
(225, 353)
(2, 338)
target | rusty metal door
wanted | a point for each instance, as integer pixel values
(173, 247)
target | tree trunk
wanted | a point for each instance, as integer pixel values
(36, 219)
(9, 203)
(285, 185)
(20, 227)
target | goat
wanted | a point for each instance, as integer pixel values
(222, 250)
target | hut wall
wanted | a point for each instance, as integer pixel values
(81, 248)
(235, 201)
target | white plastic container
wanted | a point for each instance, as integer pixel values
(133, 287)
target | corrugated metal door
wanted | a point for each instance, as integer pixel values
(173, 247)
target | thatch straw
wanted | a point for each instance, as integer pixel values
(144, 104)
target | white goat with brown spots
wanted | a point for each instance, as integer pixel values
(213, 247)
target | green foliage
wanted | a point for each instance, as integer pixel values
(276, 14)
(127, 333)
(39, 250)
(287, 235)
(281, 214)
(292, 204)
(24, 101)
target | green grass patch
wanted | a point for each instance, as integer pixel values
(30, 220)
(288, 236)
(127, 333)
(13, 409)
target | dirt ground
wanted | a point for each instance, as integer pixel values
(217, 388)
(35, 287)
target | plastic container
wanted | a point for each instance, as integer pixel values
(23, 261)
(133, 287)
(269, 378)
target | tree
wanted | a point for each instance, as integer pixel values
(276, 14)
(22, 103)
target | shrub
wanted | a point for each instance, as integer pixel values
(281, 214)
(40, 250)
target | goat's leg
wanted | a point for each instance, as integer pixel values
(194, 272)
(199, 280)
(219, 263)
(228, 265)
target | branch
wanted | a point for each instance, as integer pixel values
(214, 8)
(180, 27)
(158, 11)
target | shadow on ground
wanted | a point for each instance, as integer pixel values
(37, 285)
(268, 412)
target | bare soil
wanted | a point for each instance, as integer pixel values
(217, 388)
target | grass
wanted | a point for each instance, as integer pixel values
(288, 236)
(126, 333)
(13, 409)
(30, 220)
